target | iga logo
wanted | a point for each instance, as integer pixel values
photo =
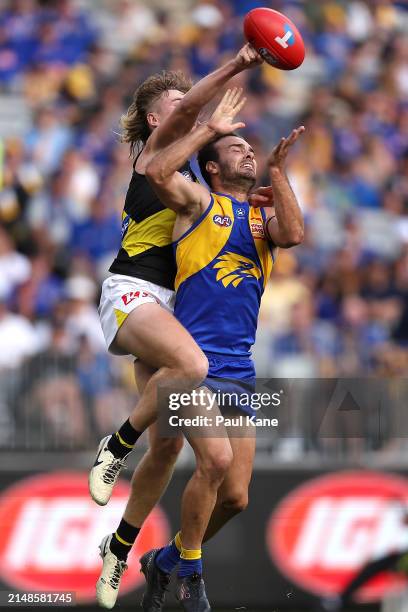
(288, 39)
(325, 530)
(51, 530)
(223, 221)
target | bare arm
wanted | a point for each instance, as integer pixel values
(184, 116)
(285, 228)
(173, 189)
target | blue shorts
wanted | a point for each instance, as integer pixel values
(235, 377)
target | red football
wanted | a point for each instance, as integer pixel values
(275, 37)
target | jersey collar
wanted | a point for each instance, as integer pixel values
(227, 195)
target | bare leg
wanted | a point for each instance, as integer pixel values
(157, 338)
(213, 459)
(213, 456)
(160, 341)
(214, 464)
(151, 477)
(154, 471)
(232, 497)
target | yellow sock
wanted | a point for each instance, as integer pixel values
(177, 541)
(189, 554)
(190, 562)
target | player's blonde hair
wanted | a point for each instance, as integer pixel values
(135, 127)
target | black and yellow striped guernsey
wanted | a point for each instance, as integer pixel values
(147, 227)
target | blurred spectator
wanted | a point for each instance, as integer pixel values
(37, 298)
(126, 24)
(48, 140)
(15, 268)
(99, 234)
(311, 340)
(18, 339)
(82, 317)
(53, 411)
(82, 183)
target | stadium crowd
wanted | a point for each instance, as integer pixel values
(335, 306)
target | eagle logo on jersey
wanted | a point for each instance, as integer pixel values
(233, 269)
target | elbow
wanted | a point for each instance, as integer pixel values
(294, 238)
(298, 236)
(154, 173)
(188, 108)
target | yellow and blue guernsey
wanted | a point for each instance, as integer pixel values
(223, 263)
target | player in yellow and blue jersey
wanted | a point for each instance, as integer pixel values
(224, 254)
(223, 262)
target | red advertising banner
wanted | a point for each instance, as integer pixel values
(325, 530)
(51, 530)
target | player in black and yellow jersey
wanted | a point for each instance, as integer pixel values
(137, 302)
(225, 250)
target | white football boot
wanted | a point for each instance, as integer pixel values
(104, 473)
(107, 587)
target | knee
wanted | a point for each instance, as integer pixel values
(193, 368)
(235, 502)
(166, 450)
(214, 467)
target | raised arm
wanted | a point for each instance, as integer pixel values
(173, 189)
(285, 227)
(184, 116)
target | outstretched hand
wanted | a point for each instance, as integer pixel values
(221, 121)
(278, 156)
(248, 57)
(261, 197)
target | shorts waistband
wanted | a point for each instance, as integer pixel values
(229, 358)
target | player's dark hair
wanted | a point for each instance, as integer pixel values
(210, 153)
(135, 127)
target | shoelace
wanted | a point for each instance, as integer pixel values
(112, 471)
(120, 567)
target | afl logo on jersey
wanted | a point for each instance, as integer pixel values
(223, 221)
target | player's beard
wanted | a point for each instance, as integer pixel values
(236, 178)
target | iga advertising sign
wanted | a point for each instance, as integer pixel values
(325, 530)
(51, 530)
